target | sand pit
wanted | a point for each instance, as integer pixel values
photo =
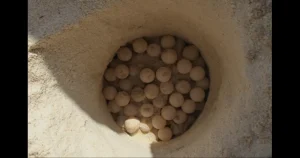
(68, 115)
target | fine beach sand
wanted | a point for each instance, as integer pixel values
(71, 43)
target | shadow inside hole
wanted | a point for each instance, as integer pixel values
(77, 81)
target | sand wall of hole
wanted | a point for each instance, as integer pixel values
(68, 115)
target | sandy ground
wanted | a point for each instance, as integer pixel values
(71, 43)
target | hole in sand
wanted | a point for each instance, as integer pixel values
(170, 60)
